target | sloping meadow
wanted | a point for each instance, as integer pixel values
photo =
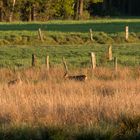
(59, 38)
(104, 31)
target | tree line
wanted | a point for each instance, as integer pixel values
(43, 10)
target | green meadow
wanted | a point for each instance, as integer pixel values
(105, 31)
(100, 25)
(69, 39)
(76, 56)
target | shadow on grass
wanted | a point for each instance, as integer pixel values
(47, 134)
(28, 133)
(83, 27)
(43, 133)
(93, 136)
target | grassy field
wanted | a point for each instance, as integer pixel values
(76, 56)
(105, 31)
(103, 25)
(43, 105)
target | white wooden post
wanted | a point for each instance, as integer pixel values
(91, 34)
(93, 60)
(110, 53)
(40, 35)
(65, 65)
(47, 63)
(126, 32)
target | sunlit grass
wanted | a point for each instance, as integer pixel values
(97, 106)
(76, 56)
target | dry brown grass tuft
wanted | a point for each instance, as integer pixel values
(52, 100)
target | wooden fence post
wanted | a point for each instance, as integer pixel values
(126, 33)
(40, 35)
(93, 60)
(47, 63)
(33, 60)
(91, 34)
(115, 64)
(110, 53)
(65, 65)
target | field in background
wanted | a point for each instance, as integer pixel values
(105, 31)
(103, 25)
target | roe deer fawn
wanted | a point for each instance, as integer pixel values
(76, 77)
(15, 81)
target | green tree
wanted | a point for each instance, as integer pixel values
(81, 5)
(64, 9)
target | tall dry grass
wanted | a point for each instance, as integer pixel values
(105, 97)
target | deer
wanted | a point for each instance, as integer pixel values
(14, 82)
(75, 77)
